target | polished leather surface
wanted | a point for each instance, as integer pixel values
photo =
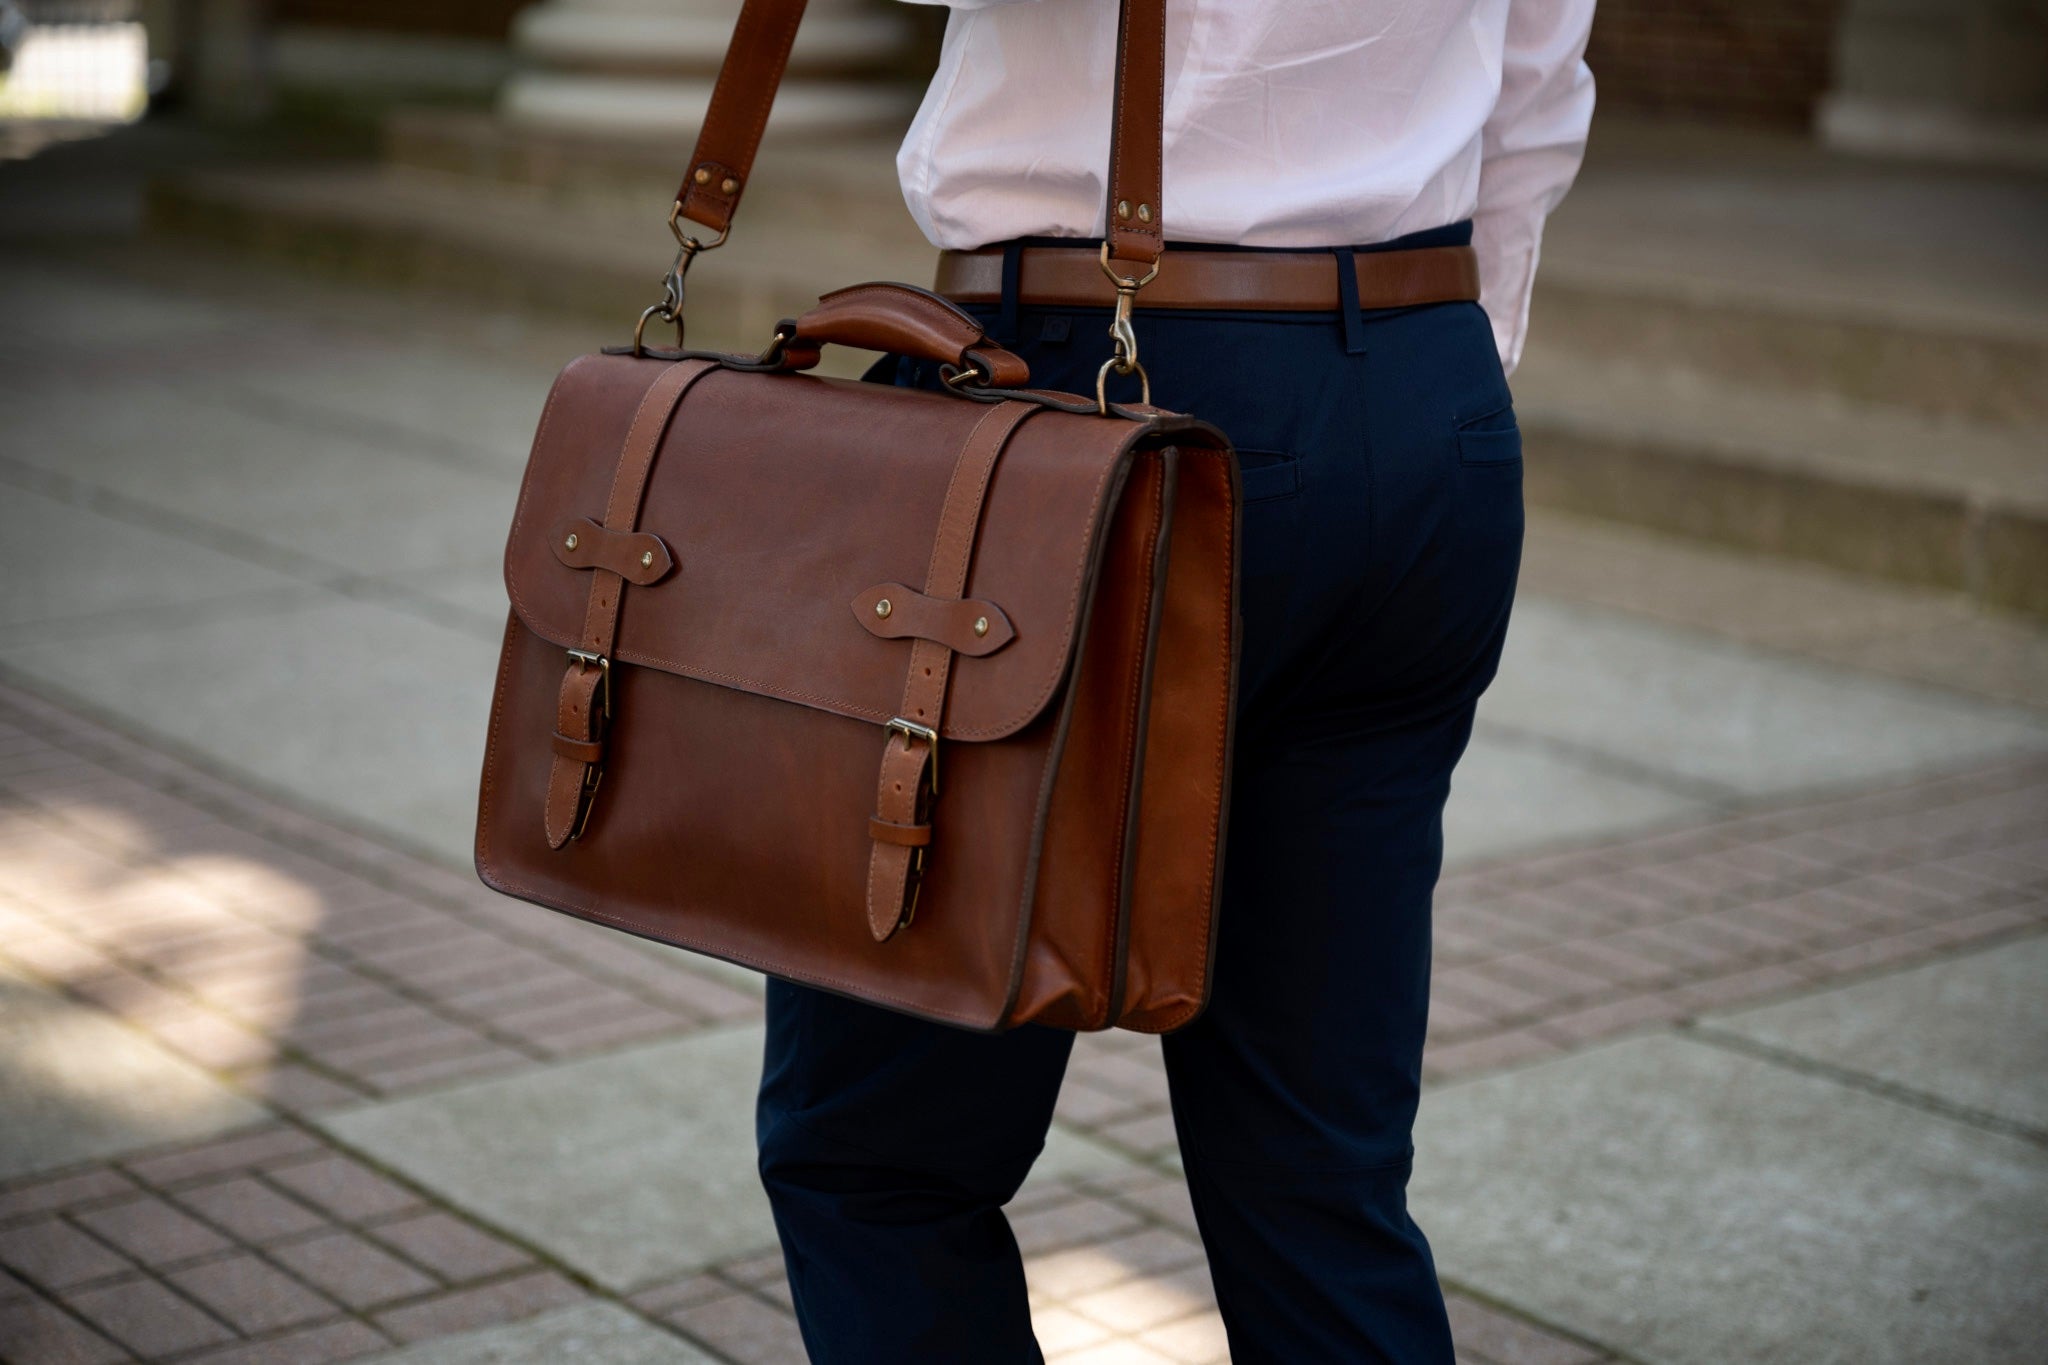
(1176, 865)
(1189, 277)
(735, 814)
(905, 320)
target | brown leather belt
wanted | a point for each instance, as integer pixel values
(1189, 277)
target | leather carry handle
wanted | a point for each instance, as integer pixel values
(903, 319)
(759, 53)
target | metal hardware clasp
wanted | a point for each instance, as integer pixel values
(670, 307)
(593, 773)
(590, 658)
(910, 730)
(1123, 337)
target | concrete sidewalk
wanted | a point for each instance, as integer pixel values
(1736, 1051)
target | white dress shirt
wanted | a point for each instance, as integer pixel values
(1290, 123)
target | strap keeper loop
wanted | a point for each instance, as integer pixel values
(579, 750)
(890, 832)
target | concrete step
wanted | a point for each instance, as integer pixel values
(1926, 361)
(601, 256)
(1683, 373)
(1764, 260)
(1936, 502)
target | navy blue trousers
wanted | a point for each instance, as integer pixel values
(1382, 530)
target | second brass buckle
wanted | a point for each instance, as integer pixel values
(593, 773)
(910, 730)
(590, 658)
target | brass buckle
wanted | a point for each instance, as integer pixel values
(590, 658)
(670, 307)
(593, 773)
(910, 730)
(1123, 337)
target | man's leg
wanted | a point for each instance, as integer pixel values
(1295, 1094)
(888, 1147)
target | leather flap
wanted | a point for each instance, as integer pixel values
(786, 496)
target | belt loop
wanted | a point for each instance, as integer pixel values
(1347, 301)
(1013, 272)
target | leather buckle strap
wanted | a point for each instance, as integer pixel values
(581, 714)
(909, 779)
(909, 784)
(585, 706)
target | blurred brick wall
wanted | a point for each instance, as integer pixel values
(457, 18)
(1740, 61)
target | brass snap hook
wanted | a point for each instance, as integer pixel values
(670, 308)
(1123, 336)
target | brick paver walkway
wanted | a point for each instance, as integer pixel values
(311, 968)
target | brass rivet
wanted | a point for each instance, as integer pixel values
(570, 543)
(647, 559)
(882, 608)
(728, 185)
(703, 175)
(981, 625)
(1123, 208)
(1144, 213)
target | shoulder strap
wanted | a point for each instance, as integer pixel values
(1136, 139)
(759, 54)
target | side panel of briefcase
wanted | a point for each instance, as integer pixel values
(1071, 964)
(736, 825)
(1186, 780)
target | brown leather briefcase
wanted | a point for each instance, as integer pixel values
(920, 697)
